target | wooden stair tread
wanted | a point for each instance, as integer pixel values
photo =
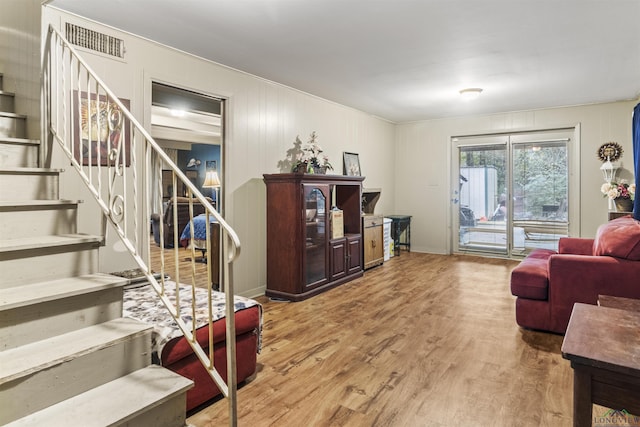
(114, 402)
(28, 359)
(50, 290)
(14, 140)
(47, 242)
(31, 171)
(17, 205)
(14, 115)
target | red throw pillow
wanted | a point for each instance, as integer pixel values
(619, 238)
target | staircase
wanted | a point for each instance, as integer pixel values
(67, 356)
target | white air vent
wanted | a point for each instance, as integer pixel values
(94, 40)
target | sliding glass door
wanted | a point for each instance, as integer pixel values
(540, 190)
(512, 192)
(482, 188)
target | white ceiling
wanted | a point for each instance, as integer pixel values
(406, 60)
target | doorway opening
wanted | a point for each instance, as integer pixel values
(189, 126)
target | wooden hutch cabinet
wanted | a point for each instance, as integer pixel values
(307, 252)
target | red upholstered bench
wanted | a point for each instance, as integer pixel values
(178, 356)
(142, 303)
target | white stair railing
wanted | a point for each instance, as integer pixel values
(121, 165)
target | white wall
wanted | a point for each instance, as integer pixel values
(263, 120)
(423, 183)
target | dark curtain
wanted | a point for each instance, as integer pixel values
(636, 158)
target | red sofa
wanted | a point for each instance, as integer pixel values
(548, 283)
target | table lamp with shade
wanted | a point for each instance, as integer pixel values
(212, 180)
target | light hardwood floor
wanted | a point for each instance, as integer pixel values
(187, 271)
(424, 340)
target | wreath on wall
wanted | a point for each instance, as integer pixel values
(611, 151)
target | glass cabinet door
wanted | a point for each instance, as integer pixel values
(315, 199)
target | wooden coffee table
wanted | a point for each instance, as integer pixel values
(619, 302)
(603, 345)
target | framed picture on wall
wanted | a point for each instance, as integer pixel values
(102, 133)
(211, 165)
(351, 164)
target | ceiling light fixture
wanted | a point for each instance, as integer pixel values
(470, 93)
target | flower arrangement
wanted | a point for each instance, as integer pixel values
(619, 190)
(310, 158)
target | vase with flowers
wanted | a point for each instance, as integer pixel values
(622, 193)
(310, 158)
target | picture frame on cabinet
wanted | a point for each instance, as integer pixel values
(351, 164)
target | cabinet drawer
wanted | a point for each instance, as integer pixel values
(372, 221)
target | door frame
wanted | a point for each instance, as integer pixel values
(573, 197)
